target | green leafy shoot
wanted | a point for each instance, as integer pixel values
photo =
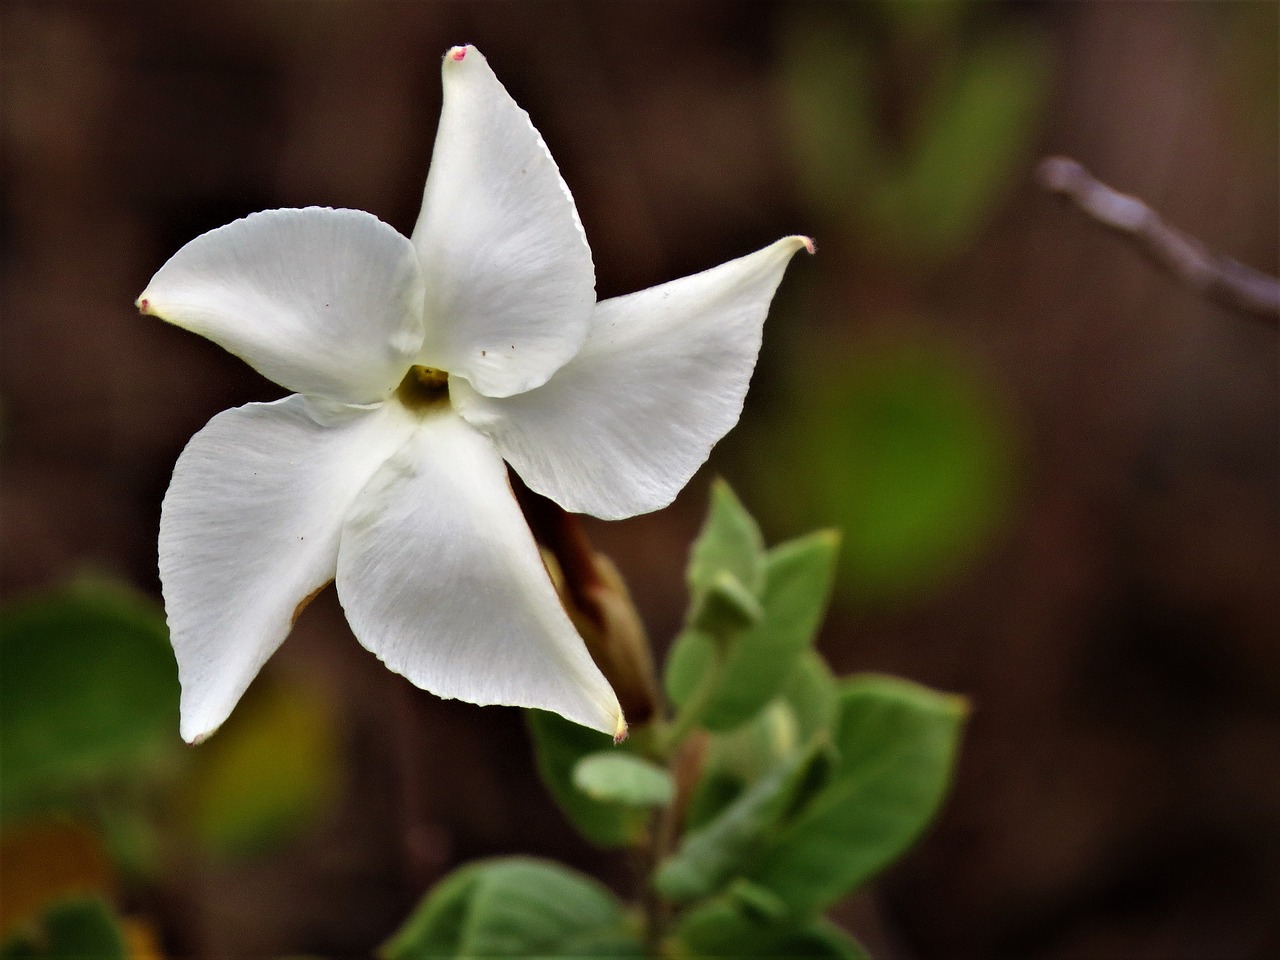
(721, 682)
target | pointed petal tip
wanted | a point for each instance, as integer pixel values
(620, 730)
(458, 54)
(806, 242)
(195, 738)
(144, 305)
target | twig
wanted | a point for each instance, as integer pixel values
(1216, 277)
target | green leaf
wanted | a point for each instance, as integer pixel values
(615, 777)
(558, 746)
(897, 745)
(515, 907)
(438, 924)
(812, 695)
(755, 748)
(737, 759)
(89, 689)
(79, 928)
(692, 657)
(729, 541)
(798, 577)
(726, 606)
(268, 775)
(729, 927)
(710, 856)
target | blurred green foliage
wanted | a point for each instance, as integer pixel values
(918, 171)
(736, 927)
(908, 449)
(88, 692)
(909, 124)
(269, 774)
(79, 928)
(896, 744)
(89, 729)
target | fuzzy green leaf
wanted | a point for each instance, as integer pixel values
(726, 606)
(692, 655)
(558, 746)
(89, 688)
(713, 854)
(729, 541)
(77, 928)
(515, 907)
(812, 693)
(897, 745)
(735, 927)
(798, 577)
(622, 778)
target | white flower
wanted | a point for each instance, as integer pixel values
(419, 366)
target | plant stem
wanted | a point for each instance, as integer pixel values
(664, 830)
(1216, 277)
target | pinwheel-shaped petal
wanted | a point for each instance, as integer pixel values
(420, 365)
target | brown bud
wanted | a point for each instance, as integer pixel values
(598, 603)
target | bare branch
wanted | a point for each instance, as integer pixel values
(1216, 277)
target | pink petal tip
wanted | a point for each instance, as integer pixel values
(457, 53)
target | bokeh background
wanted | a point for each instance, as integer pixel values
(1055, 469)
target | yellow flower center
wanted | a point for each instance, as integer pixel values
(423, 388)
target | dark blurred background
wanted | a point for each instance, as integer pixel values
(1054, 467)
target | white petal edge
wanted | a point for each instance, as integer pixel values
(249, 530)
(510, 283)
(621, 428)
(441, 579)
(324, 302)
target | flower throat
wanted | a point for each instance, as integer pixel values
(424, 388)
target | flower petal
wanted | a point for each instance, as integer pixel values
(621, 428)
(324, 302)
(441, 579)
(510, 284)
(249, 531)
